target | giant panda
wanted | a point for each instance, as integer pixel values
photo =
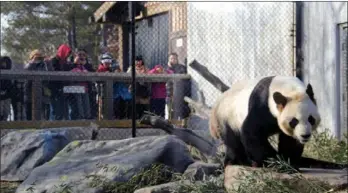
(244, 116)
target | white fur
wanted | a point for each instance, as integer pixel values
(288, 86)
(232, 106)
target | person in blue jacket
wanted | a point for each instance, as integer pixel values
(122, 96)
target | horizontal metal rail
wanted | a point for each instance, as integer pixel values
(77, 123)
(88, 76)
(108, 78)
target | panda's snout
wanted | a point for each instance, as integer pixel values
(306, 136)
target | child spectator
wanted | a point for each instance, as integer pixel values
(142, 88)
(121, 95)
(81, 109)
(159, 92)
(92, 91)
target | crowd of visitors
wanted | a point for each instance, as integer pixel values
(71, 100)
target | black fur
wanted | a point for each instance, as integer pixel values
(259, 124)
(251, 147)
(310, 93)
(279, 99)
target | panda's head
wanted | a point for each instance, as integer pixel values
(298, 116)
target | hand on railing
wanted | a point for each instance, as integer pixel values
(130, 88)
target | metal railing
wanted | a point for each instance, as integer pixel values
(37, 77)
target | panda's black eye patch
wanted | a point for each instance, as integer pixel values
(311, 120)
(293, 122)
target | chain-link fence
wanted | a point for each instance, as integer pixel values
(233, 40)
(344, 77)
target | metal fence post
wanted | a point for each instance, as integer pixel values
(178, 99)
(299, 33)
(131, 13)
(36, 100)
(109, 99)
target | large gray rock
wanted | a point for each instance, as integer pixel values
(234, 176)
(198, 170)
(22, 151)
(164, 188)
(120, 160)
(197, 123)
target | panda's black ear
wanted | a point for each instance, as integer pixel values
(310, 93)
(280, 100)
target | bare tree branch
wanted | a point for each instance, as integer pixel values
(197, 108)
(188, 136)
(205, 73)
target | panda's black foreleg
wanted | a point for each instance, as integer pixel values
(256, 144)
(235, 153)
(291, 150)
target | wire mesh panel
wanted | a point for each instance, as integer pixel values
(151, 39)
(53, 37)
(233, 40)
(322, 56)
(48, 36)
(239, 40)
(344, 78)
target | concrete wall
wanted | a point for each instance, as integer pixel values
(238, 40)
(321, 57)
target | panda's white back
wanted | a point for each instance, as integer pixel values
(232, 106)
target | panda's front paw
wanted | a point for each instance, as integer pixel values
(254, 164)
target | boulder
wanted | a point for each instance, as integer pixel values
(198, 170)
(22, 151)
(115, 160)
(197, 123)
(235, 177)
(164, 188)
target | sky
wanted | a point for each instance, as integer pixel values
(3, 25)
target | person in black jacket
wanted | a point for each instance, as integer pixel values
(6, 89)
(59, 100)
(177, 68)
(37, 63)
(143, 89)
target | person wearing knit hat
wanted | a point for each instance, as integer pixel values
(106, 56)
(106, 63)
(121, 95)
(59, 98)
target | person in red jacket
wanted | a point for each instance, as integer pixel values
(58, 99)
